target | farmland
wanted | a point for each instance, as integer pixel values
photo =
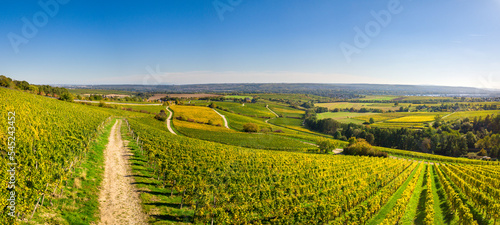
(357, 106)
(347, 117)
(211, 173)
(197, 114)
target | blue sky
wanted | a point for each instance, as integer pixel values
(438, 42)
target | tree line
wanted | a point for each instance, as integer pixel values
(456, 138)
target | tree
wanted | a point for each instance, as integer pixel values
(482, 153)
(250, 127)
(370, 138)
(437, 121)
(162, 116)
(361, 147)
(66, 97)
(372, 120)
(326, 146)
(212, 105)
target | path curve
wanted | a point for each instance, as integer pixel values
(267, 106)
(119, 202)
(224, 118)
(169, 121)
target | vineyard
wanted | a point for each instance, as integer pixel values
(222, 176)
(224, 184)
(51, 138)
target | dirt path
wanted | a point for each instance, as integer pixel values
(169, 122)
(267, 106)
(224, 118)
(119, 201)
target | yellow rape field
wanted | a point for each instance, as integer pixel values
(197, 113)
(414, 119)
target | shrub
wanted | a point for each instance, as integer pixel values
(266, 129)
(66, 97)
(362, 147)
(326, 146)
(250, 127)
(162, 116)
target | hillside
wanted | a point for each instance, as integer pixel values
(207, 175)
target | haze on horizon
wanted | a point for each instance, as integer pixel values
(444, 42)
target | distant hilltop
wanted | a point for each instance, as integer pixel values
(330, 90)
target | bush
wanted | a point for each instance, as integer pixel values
(326, 146)
(482, 153)
(266, 129)
(66, 97)
(162, 116)
(362, 147)
(250, 127)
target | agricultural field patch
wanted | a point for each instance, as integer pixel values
(413, 119)
(345, 117)
(197, 113)
(239, 96)
(357, 106)
(145, 108)
(159, 96)
(470, 114)
(286, 111)
(257, 110)
(379, 98)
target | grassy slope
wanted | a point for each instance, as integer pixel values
(441, 207)
(79, 203)
(380, 216)
(411, 208)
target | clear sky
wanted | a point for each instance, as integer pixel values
(437, 42)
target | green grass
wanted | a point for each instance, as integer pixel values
(145, 108)
(254, 110)
(79, 203)
(380, 216)
(239, 96)
(161, 204)
(378, 98)
(441, 208)
(286, 121)
(345, 117)
(357, 106)
(411, 208)
(285, 110)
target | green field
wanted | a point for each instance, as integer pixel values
(285, 111)
(239, 96)
(257, 110)
(379, 98)
(357, 106)
(471, 114)
(346, 117)
(402, 119)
